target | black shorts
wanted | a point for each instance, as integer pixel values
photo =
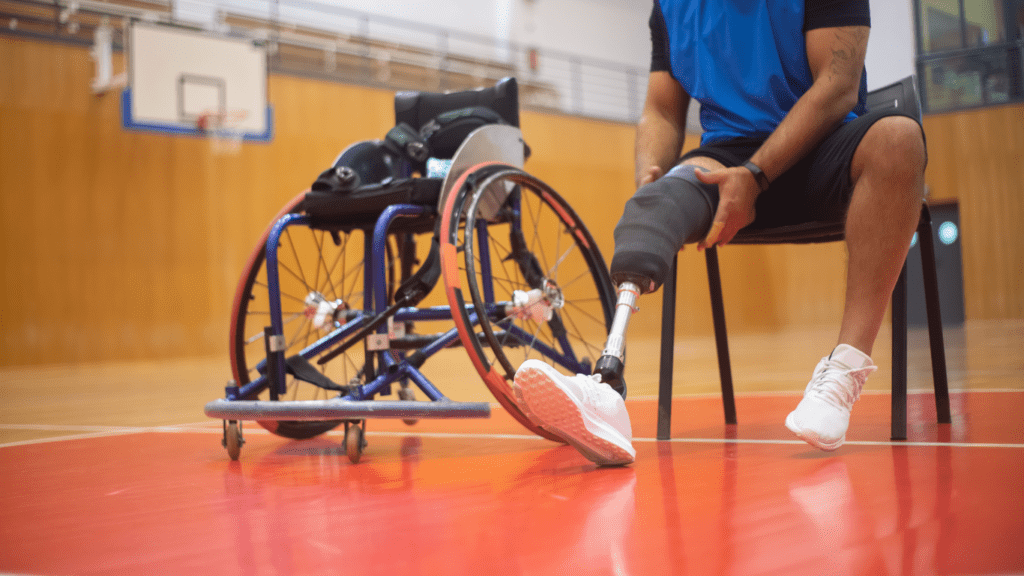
(817, 188)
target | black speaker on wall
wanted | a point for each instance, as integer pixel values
(946, 236)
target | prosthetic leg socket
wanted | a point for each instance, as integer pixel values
(658, 220)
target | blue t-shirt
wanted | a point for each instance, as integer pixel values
(745, 61)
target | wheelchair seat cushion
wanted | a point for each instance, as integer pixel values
(360, 207)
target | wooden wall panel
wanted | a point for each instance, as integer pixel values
(128, 245)
(977, 157)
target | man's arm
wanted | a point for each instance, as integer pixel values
(662, 127)
(836, 58)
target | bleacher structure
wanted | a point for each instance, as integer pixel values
(293, 48)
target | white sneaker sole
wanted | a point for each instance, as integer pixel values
(552, 408)
(812, 437)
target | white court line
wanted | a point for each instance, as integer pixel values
(120, 432)
(708, 440)
(83, 432)
(100, 431)
(799, 393)
(847, 443)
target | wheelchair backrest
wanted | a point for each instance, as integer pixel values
(418, 108)
(430, 125)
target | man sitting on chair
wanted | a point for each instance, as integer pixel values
(787, 139)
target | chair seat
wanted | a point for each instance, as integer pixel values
(805, 233)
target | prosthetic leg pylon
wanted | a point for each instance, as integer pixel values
(611, 364)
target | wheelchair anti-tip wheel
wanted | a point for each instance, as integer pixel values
(355, 441)
(406, 393)
(320, 272)
(537, 282)
(233, 439)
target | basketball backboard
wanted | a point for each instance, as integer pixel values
(177, 77)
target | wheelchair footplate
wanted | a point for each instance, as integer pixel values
(341, 409)
(300, 419)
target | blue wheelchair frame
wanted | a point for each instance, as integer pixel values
(272, 370)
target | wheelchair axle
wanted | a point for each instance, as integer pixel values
(323, 313)
(537, 304)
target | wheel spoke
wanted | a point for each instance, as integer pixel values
(584, 312)
(301, 276)
(536, 235)
(554, 271)
(584, 274)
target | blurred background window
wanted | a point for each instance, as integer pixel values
(969, 53)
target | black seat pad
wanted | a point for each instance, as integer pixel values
(361, 207)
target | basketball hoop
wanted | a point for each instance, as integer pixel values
(224, 129)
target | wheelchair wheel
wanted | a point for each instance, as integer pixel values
(538, 285)
(310, 261)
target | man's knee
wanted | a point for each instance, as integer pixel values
(657, 221)
(893, 148)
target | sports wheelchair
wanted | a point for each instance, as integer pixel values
(326, 316)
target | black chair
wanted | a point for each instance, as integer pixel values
(903, 96)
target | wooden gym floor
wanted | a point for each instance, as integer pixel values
(113, 469)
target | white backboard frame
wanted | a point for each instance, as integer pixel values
(177, 74)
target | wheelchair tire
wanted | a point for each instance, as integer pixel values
(536, 241)
(309, 259)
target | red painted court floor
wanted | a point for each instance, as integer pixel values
(485, 497)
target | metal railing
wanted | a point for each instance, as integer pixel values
(312, 38)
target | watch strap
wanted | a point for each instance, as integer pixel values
(762, 180)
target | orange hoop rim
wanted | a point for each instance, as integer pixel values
(214, 120)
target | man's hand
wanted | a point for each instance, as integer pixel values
(648, 175)
(737, 192)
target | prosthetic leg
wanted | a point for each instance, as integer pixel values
(658, 220)
(612, 362)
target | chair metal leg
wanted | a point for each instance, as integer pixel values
(668, 336)
(931, 302)
(899, 357)
(721, 338)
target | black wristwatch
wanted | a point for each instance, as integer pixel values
(762, 181)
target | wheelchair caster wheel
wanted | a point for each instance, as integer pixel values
(355, 441)
(233, 439)
(407, 394)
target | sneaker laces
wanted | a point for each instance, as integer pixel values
(589, 389)
(592, 392)
(838, 384)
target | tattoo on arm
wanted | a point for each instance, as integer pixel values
(848, 50)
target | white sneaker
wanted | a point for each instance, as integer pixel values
(822, 417)
(580, 409)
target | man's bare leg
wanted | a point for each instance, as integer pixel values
(887, 171)
(888, 175)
